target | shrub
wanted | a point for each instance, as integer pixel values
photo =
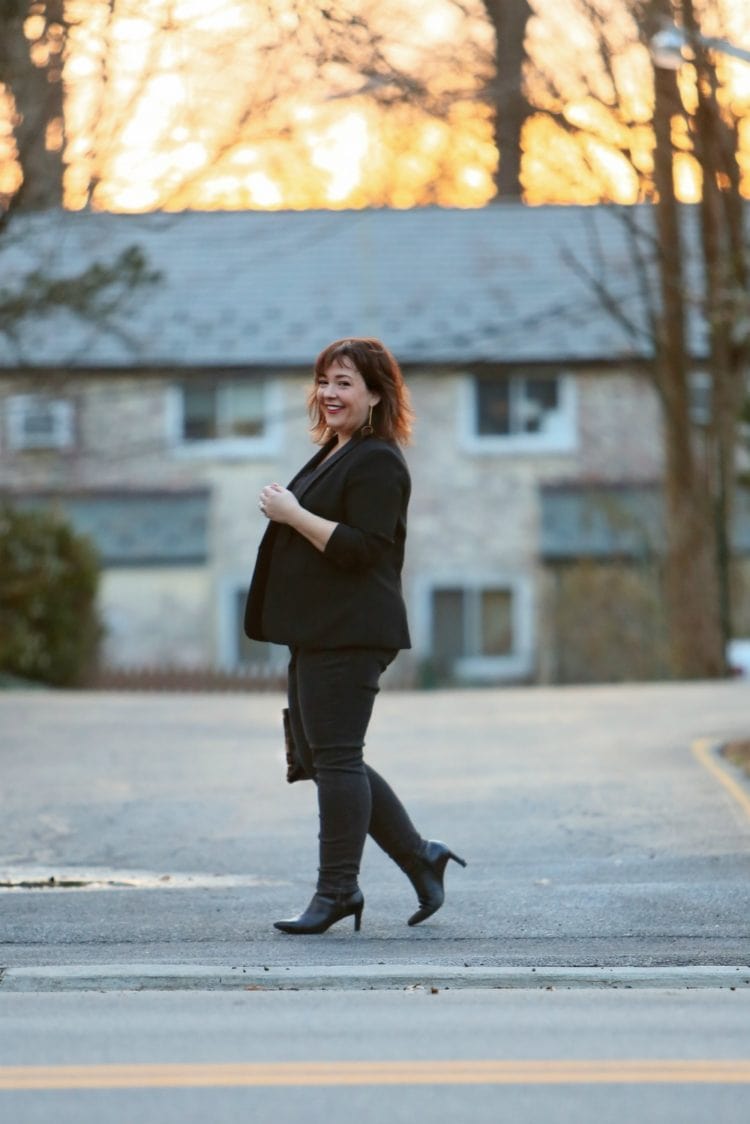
(607, 623)
(49, 576)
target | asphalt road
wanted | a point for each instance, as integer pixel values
(593, 1057)
(594, 833)
(605, 912)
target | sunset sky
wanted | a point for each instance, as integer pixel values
(211, 104)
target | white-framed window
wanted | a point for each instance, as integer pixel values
(475, 630)
(226, 415)
(39, 421)
(530, 410)
(700, 397)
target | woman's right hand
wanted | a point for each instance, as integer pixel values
(278, 504)
(282, 506)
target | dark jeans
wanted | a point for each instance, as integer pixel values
(331, 695)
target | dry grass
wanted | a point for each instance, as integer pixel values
(739, 754)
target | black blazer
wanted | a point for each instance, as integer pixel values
(350, 594)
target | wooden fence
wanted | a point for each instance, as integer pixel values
(184, 679)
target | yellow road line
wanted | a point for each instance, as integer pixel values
(485, 1072)
(702, 751)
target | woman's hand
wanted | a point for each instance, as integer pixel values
(278, 504)
(281, 506)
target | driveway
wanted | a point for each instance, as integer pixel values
(600, 830)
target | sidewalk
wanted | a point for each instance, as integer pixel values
(597, 841)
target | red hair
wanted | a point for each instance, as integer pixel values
(392, 416)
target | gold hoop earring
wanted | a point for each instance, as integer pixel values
(367, 430)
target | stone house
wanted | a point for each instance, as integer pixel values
(155, 427)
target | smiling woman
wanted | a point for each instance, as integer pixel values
(327, 583)
(343, 401)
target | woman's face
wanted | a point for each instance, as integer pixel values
(344, 399)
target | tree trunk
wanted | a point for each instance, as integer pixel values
(691, 576)
(33, 73)
(725, 278)
(509, 19)
(692, 586)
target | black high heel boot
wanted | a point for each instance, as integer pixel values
(426, 871)
(325, 910)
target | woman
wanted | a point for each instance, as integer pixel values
(327, 583)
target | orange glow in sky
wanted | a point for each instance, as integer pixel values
(206, 104)
(180, 103)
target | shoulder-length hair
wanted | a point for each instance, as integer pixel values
(392, 416)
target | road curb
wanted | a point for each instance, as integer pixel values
(708, 751)
(180, 977)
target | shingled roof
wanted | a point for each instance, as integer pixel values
(258, 289)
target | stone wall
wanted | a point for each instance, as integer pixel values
(474, 515)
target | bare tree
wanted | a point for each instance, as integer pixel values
(510, 107)
(353, 49)
(715, 136)
(32, 38)
(33, 35)
(700, 459)
(438, 81)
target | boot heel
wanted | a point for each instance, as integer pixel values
(426, 872)
(325, 910)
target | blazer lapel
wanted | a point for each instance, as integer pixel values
(323, 467)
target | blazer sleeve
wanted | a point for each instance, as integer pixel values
(376, 495)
